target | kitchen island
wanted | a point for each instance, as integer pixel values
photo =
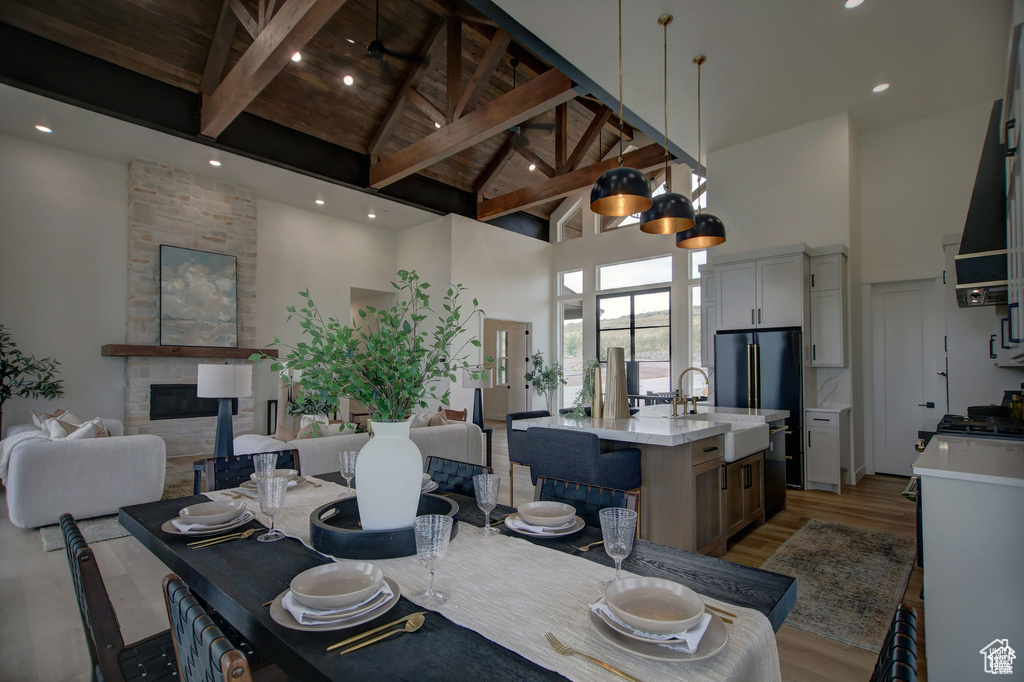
(972, 496)
(682, 464)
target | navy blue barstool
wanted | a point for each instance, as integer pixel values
(518, 449)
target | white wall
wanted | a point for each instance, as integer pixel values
(63, 270)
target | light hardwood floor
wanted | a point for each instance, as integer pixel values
(45, 642)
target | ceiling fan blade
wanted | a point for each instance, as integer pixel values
(538, 126)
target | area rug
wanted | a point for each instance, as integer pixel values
(177, 489)
(93, 530)
(848, 580)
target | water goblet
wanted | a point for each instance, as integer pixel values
(432, 534)
(618, 526)
(271, 492)
(347, 458)
(264, 463)
(486, 488)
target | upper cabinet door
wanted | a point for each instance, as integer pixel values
(737, 295)
(826, 272)
(780, 292)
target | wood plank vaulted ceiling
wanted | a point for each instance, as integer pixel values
(170, 40)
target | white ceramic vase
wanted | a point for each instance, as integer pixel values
(388, 477)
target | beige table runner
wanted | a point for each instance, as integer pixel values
(513, 591)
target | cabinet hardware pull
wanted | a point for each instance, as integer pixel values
(759, 316)
(751, 316)
(821, 419)
(711, 449)
(789, 457)
(991, 346)
(814, 351)
(1010, 325)
(1004, 325)
(1010, 125)
(808, 439)
(930, 405)
(725, 478)
(812, 280)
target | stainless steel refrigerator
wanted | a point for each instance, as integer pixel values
(763, 369)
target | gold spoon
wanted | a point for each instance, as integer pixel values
(217, 541)
(586, 548)
(412, 625)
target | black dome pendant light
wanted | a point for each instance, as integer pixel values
(708, 230)
(671, 212)
(620, 191)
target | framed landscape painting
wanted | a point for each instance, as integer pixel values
(198, 298)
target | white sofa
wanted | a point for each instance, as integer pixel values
(86, 478)
(460, 441)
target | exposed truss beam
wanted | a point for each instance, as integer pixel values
(701, 188)
(589, 135)
(417, 99)
(538, 95)
(415, 75)
(613, 120)
(496, 165)
(561, 136)
(266, 12)
(484, 70)
(289, 30)
(220, 46)
(644, 159)
(454, 67)
(247, 20)
(531, 156)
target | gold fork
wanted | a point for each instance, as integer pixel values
(586, 548)
(569, 651)
(217, 541)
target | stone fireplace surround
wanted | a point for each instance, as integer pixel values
(168, 205)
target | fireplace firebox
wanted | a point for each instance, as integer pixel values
(179, 401)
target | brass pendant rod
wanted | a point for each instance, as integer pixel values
(698, 60)
(621, 124)
(665, 20)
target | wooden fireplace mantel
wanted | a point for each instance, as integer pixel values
(124, 350)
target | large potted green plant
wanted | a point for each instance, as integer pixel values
(392, 362)
(24, 376)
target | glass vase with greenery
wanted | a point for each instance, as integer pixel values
(23, 376)
(545, 380)
(394, 360)
(585, 397)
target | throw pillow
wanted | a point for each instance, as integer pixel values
(39, 417)
(419, 420)
(438, 420)
(87, 430)
(309, 431)
(97, 424)
(284, 433)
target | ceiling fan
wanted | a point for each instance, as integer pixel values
(519, 130)
(376, 49)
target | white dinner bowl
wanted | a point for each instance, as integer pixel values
(426, 481)
(654, 604)
(336, 585)
(549, 514)
(212, 513)
(290, 474)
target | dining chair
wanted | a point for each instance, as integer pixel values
(518, 449)
(898, 658)
(202, 652)
(589, 500)
(454, 476)
(231, 472)
(453, 415)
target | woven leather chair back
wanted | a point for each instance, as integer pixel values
(204, 654)
(453, 476)
(898, 658)
(588, 500)
(231, 472)
(453, 415)
(518, 452)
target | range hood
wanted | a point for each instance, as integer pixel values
(981, 270)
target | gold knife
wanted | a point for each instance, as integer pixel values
(372, 632)
(715, 608)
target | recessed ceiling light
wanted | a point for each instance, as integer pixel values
(850, 4)
(297, 57)
(350, 40)
(319, 202)
(348, 80)
(371, 215)
(881, 87)
(436, 124)
(214, 162)
(43, 129)
(533, 166)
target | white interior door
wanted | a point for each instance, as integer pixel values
(518, 357)
(905, 353)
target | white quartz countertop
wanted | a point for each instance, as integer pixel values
(984, 460)
(710, 412)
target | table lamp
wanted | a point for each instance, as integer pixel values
(224, 382)
(483, 382)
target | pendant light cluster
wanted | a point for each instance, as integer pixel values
(708, 230)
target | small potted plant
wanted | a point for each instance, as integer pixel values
(590, 391)
(546, 380)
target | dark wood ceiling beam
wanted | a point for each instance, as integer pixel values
(587, 139)
(247, 20)
(220, 46)
(484, 71)
(394, 113)
(536, 96)
(561, 136)
(701, 188)
(531, 156)
(644, 159)
(495, 166)
(613, 121)
(289, 30)
(454, 67)
(417, 99)
(266, 12)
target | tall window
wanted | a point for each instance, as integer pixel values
(634, 273)
(570, 317)
(697, 384)
(639, 322)
(502, 353)
(571, 226)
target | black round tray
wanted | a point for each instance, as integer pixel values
(334, 529)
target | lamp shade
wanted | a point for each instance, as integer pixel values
(620, 192)
(671, 213)
(224, 381)
(485, 380)
(707, 231)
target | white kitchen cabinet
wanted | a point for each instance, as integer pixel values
(760, 293)
(826, 272)
(826, 446)
(828, 310)
(708, 328)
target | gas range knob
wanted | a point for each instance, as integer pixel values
(919, 445)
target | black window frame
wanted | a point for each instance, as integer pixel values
(632, 294)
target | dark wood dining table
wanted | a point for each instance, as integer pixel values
(238, 578)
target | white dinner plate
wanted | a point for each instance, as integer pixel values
(713, 641)
(576, 527)
(251, 485)
(245, 518)
(281, 616)
(430, 487)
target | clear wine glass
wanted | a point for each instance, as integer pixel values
(618, 526)
(264, 463)
(432, 534)
(486, 488)
(271, 491)
(347, 458)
